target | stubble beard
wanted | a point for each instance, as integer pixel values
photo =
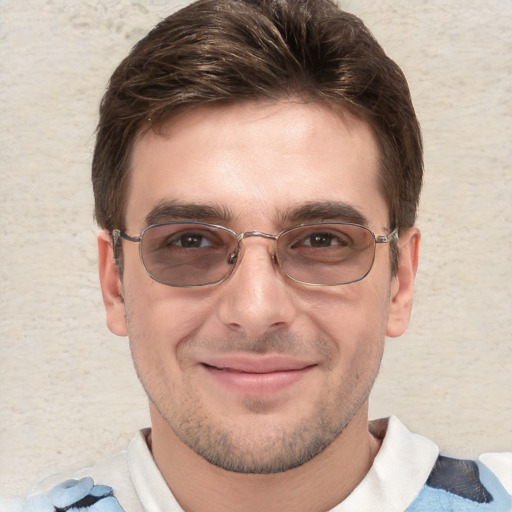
(274, 448)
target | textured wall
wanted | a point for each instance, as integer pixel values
(68, 388)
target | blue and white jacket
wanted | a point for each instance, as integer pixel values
(407, 475)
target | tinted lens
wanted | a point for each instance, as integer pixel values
(328, 254)
(188, 254)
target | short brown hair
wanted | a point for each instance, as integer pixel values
(251, 50)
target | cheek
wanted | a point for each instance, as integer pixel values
(161, 317)
(158, 324)
(354, 319)
(350, 311)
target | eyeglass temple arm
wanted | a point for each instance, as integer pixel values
(382, 239)
(116, 235)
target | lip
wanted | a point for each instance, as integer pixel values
(257, 375)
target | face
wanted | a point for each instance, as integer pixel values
(258, 374)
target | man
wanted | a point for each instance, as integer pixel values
(257, 172)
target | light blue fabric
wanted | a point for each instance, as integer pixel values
(70, 491)
(68, 495)
(431, 499)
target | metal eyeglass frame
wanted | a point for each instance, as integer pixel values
(118, 234)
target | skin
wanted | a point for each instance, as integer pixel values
(252, 444)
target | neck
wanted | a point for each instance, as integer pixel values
(319, 484)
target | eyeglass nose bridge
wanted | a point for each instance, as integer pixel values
(250, 234)
(233, 258)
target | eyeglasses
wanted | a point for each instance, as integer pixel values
(194, 254)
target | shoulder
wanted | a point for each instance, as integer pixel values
(410, 475)
(77, 495)
(105, 487)
(465, 485)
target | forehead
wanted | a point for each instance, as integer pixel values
(255, 161)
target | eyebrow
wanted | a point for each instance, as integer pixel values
(171, 210)
(323, 210)
(167, 211)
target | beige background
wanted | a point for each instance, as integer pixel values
(68, 389)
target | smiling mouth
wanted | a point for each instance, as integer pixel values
(258, 364)
(257, 378)
(256, 371)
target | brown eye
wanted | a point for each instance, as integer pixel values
(322, 240)
(190, 241)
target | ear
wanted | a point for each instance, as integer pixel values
(402, 285)
(111, 285)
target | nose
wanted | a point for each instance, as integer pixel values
(257, 298)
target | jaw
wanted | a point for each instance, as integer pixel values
(322, 482)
